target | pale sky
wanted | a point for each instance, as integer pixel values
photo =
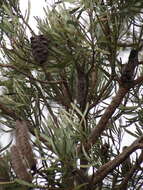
(36, 9)
(36, 5)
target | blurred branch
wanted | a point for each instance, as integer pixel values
(101, 126)
(109, 166)
(131, 172)
(139, 80)
(12, 114)
(30, 76)
(124, 45)
(9, 112)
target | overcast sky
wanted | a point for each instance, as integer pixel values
(36, 5)
(36, 9)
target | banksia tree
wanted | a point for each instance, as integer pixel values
(71, 96)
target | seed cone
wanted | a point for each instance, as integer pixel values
(39, 45)
(81, 88)
(129, 68)
(23, 144)
(18, 165)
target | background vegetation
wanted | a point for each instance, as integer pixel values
(70, 94)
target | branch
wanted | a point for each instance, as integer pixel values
(124, 45)
(139, 80)
(130, 174)
(102, 91)
(9, 112)
(109, 166)
(126, 82)
(29, 76)
(12, 114)
(59, 97)
(101, 126)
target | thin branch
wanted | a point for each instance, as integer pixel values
(109, 166)
(124, 45)
(29, 76)
(139, 80)
(131, 172)
(100, 95)
(9, 112)
(101, 126)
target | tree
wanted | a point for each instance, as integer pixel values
(68, 96)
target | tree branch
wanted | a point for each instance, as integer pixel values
(130, 174)
(101, 126)
(12, 114)
(109, 166)
(9, 112)
(30, 76)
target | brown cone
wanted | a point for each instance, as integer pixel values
(18, 165)
(39, 45)
(23, 144)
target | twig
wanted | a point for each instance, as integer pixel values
(131, 172)
(109, 166)
(101, 126)
(30, 77)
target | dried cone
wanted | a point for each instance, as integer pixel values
(18, 165)
(39, 45)
(81, 88)
(129, 68)
(23, 144)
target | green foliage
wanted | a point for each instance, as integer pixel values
(64, 99)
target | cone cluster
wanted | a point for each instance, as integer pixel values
(39, 45)
(21, 154)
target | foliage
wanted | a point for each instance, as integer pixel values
(79, 102)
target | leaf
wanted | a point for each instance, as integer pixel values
(74, 23)
(74, 10)
(7, 146)
(131, 133)
(85, 154)
(28, 12)
(139, 130)
(24, 183)
(79, 187)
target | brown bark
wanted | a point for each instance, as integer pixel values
(101, 126)
(109, 166)
(8, 112)
(131, 172)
